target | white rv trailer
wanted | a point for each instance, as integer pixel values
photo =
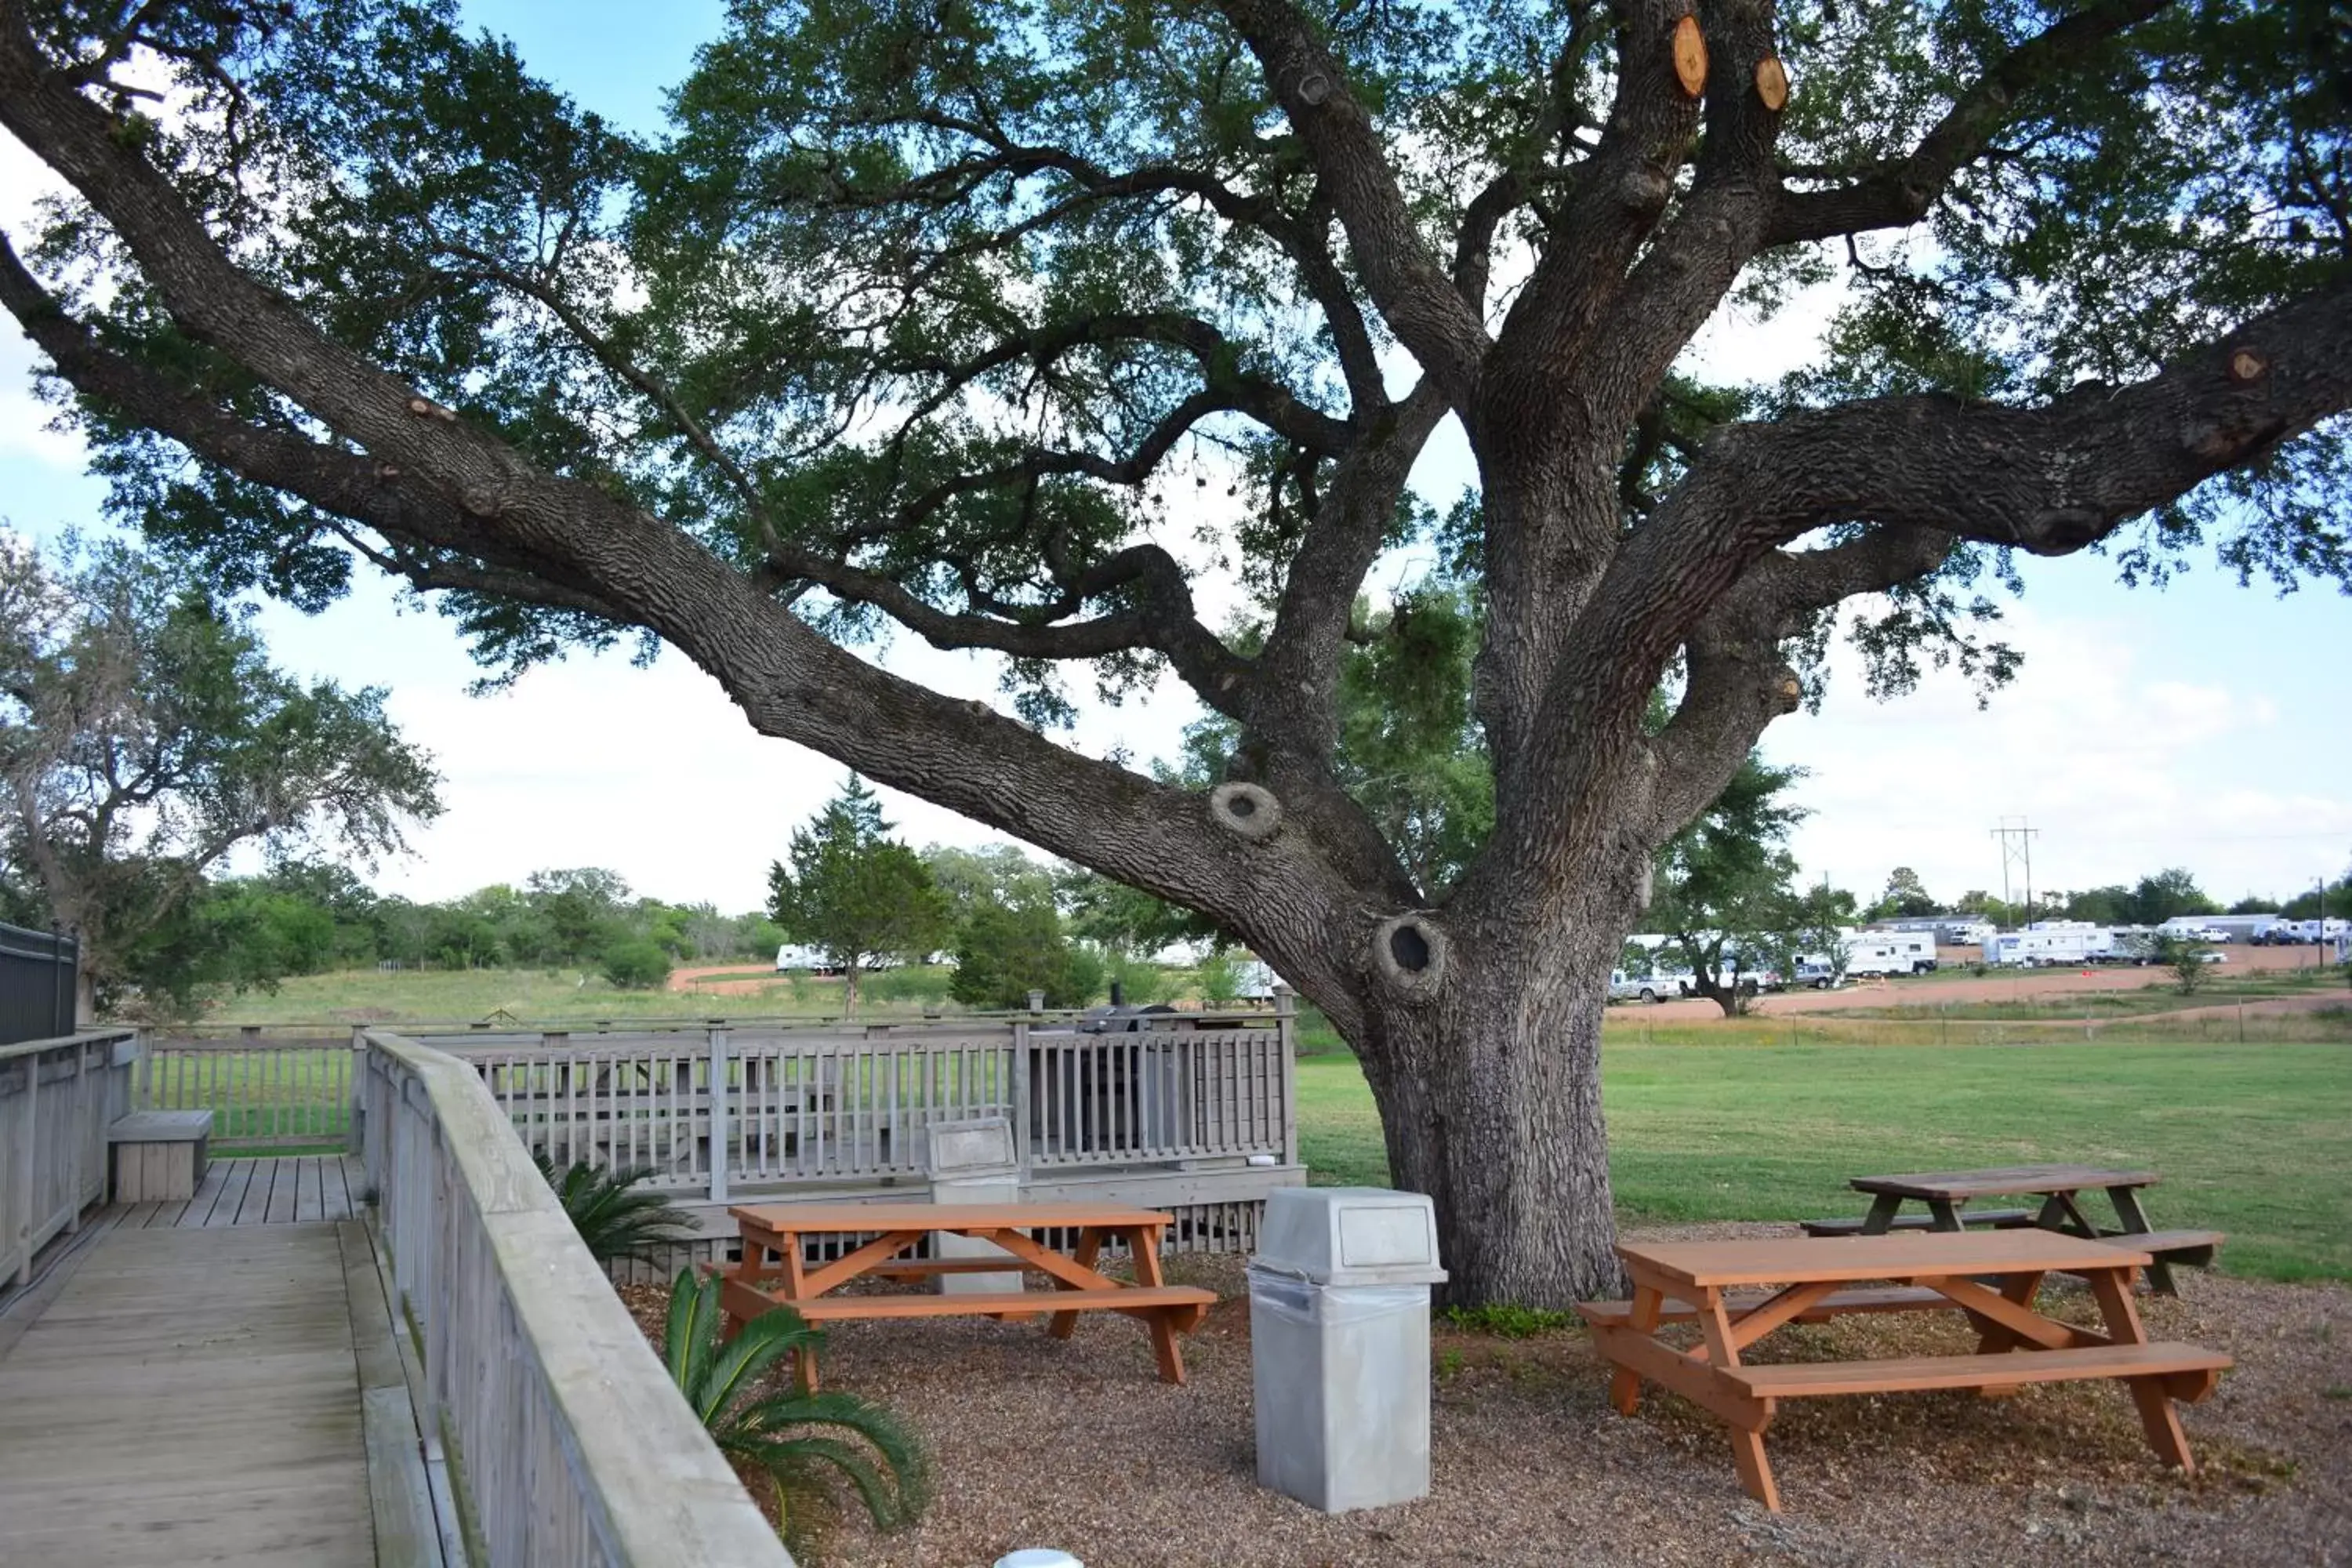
(2052, 943)
(2233, 928)
(1889, 952)
(1952, 930)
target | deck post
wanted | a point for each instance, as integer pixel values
(1286, 1028)
(29, 1126)
(355, 1131)
(1021, 1130)
(719, 1131)
(76, 1142)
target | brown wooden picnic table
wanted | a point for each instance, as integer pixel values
(1946, 1194)
(776, 1271)
(1679, 1282)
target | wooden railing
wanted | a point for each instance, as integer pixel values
(714, 1106)
(706, 1110)
(268, 1089)
(57, 1099)
(570, 1442)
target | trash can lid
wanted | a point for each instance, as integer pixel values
(1349, 1235)
(1038, 1557)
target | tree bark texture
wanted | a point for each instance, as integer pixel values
(1490, 1104)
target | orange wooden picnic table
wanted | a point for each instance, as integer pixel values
(1946, 1194)
(1811, 1280)
(775, 1271)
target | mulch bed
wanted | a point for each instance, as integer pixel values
(1079, 1446)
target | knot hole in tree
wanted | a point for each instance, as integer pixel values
(1246, 809)
(1411, 953)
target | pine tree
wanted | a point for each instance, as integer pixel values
(855, 893)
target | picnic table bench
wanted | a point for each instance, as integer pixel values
(1946, 1194)
(776, 1271)
(1814, 1277)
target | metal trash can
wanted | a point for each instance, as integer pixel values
(1340, 1345)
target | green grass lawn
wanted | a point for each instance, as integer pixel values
(464, 996)
(2256, 1141)
(2216, 990)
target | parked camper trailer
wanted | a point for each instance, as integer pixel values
(2221, 928)
(1952, 930)
(1889, 952)
(2046, 942)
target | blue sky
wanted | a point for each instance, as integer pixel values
(2201, 725)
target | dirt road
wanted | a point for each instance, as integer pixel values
(725, 979)
(2019, 985)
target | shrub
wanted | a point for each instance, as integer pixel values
(1005, 951)
(612, 1218)
(1140, 982)
(1219, 978)
(919, 983)
(635, 964)
(1508, 1320)
(1083, 974)
(802, 1442)
(2187, 962)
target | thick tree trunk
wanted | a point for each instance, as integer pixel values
(1490, 1096)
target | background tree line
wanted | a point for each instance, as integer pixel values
(1007, 924)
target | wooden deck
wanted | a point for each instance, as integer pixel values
(288, 1190)
(189, 1398)
(212, 1381)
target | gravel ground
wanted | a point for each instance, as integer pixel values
(1079, 1446)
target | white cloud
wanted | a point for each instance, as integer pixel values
(652, 772)
(2123, 767)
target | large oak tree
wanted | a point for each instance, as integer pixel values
(941, 315)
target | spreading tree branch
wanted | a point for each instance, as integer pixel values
(790, 681)
(1900, 193)
(1411, 289)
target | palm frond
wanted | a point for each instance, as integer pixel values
(798, 1439)
(739, 1365)
(796, 1462)
(612, 1217)
(691, 1332)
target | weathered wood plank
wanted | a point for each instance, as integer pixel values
(189, 1398)
(280, 1210)
(308, 1190)
(237, 1183)
(372, 1331)
(406, 1534)
(254, 1208)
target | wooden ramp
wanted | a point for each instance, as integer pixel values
(188, 1396)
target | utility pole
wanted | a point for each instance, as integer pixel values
(2017, 850)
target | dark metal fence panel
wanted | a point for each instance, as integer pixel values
(36, 984)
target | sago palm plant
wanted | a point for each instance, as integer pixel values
(802, 1442)
(612, 1215)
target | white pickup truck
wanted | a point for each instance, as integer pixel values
(1625, 987)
